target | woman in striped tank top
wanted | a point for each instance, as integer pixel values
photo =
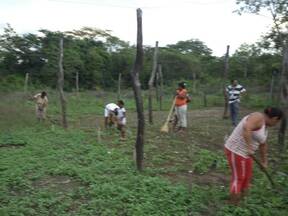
(249, 135)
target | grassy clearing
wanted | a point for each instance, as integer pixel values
(48, 171)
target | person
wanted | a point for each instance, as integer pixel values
(249, 135)
(234, 92)
(115, 113)
(110, 113)
(121, 119)
(41, 105)
(181, 101)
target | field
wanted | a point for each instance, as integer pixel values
(85, 170)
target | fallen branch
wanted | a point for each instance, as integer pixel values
(12, 145)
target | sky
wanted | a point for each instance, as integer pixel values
(167, 21)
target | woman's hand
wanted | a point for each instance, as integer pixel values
(250, 151)
(265, 164)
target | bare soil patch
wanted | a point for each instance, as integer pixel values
(57, 183)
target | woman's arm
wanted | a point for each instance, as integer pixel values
(254, 122)
(263, 154)
(181, 94)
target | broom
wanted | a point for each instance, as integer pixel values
(165, 127)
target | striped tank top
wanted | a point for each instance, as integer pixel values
(236, 142)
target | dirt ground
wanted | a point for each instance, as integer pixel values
(174, 153)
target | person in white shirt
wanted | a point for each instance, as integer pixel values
(110, 113)
(41, 105)
(234, 91)
(116, 113)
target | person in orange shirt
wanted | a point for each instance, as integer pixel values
(181, 106)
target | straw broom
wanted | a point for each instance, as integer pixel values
(165, 127)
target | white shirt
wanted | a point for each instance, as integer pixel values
(234, 93)
(111, 106)
(122, 115)
(237, 144)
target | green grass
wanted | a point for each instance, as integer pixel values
(107, 183)
(51, 171)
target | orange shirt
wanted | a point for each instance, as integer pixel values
(181, 101)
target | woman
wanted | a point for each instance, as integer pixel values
(41, 105)
(181, 107)
(249, 135)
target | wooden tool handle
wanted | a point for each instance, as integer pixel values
(263, 169)
(171, 110)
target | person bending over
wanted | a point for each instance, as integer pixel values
(249, 135)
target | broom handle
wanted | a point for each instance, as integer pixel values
(263, 169)
(171, 110)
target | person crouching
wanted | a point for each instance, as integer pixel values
(115, 113)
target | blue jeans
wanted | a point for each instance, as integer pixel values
(234, 110)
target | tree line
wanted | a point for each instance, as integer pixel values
(98, 57)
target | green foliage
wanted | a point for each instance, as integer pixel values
(98, 58)
(205, 159)
(279, 14)
(103, 186)
(11, 82)
(68, 172)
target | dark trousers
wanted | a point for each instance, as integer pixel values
(234, 110)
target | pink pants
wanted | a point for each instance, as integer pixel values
(241, 171)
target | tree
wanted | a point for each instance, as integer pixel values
(192, 46)
(279, 36)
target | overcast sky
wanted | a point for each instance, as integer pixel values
(168, 21)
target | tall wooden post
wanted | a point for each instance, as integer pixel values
(61, 84)
(119, 87)
(274, 74)
(157, 85)
(194, 82)
(151, 83)
(284, 98)
(161, 85)
(226, 68)
(26, 82)
(77, 83)
(246, 68)
(204, 99)
(137, 68)
(271, 87)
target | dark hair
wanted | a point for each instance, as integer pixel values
(121, 102)
(274, 112)
(43, 94)
(182, 85)
(232, 80)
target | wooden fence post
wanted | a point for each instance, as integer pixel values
(137, 68)
(161, 85)
(119, 87)
(151, 83)
(61, 84)
(26, 83)
(226, 68)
